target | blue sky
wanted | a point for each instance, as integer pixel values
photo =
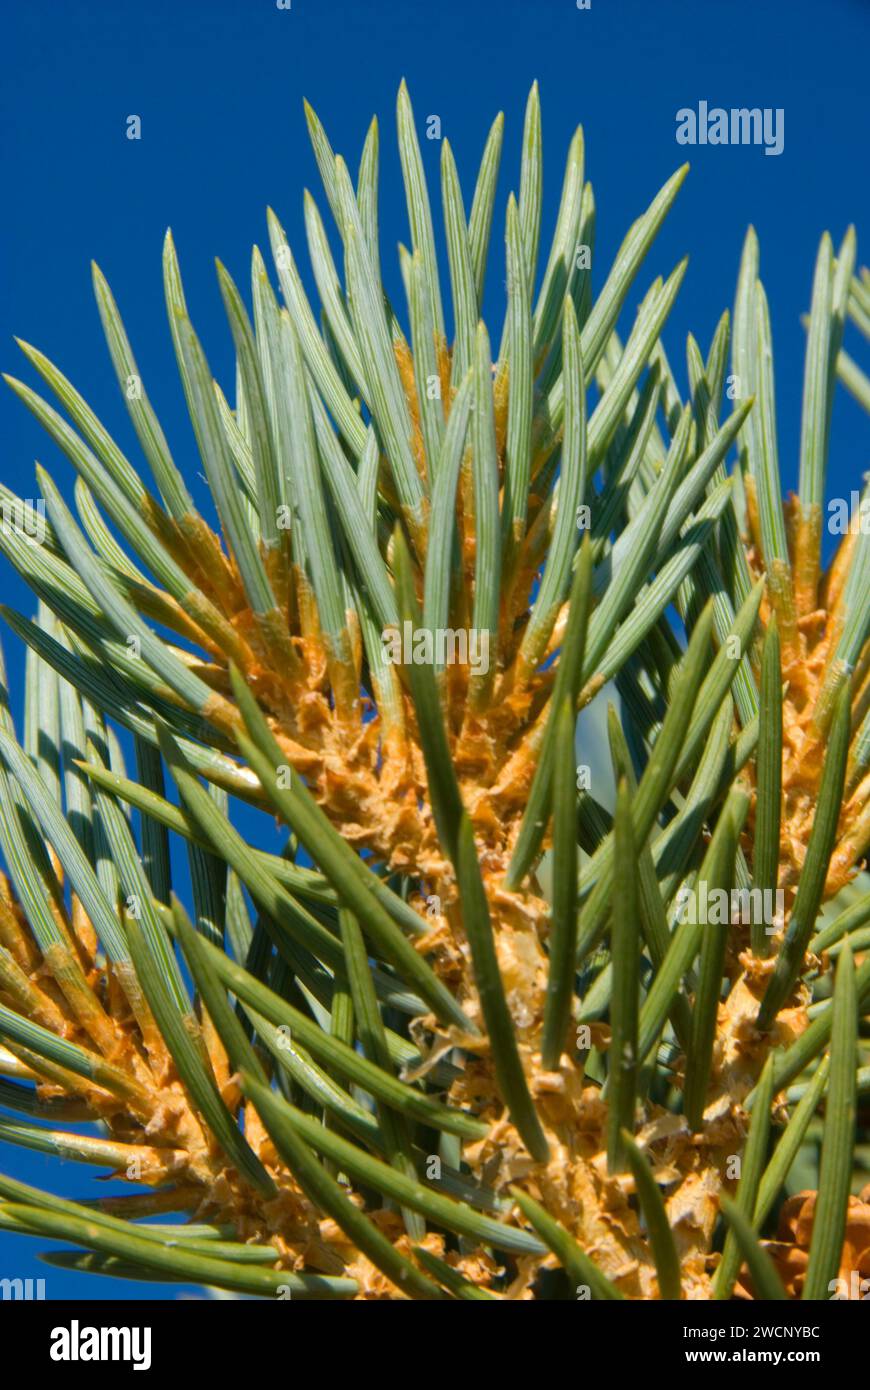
(219, 90)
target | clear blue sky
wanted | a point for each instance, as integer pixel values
(219, 88)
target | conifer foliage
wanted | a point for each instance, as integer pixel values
(449, 1021)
